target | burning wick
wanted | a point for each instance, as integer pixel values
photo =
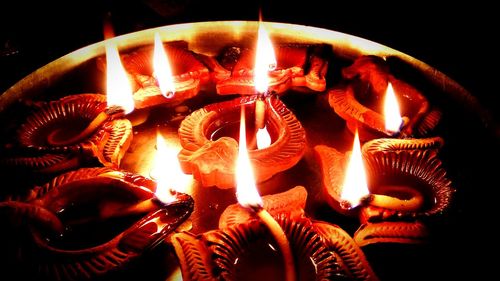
(404, 199)
(110, 112)
(249, 198)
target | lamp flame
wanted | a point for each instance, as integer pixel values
(355, 186)
(246, 190)
(118, 88)
(167, 171)
(392, 114)
(265, 60)
(263, 138)
(161, 69)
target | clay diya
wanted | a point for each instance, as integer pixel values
(189, 74)
(298, 65)
(209, 141)
(62, 134)
(89, 222)
(360, 102)
(407, 183)
(243, 248)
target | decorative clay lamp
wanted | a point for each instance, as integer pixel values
(188, 74)
(359, 102)
(242, 249)
(89, 222)
(58, 135)
(208, 137)
(298, 65)
(406, 182)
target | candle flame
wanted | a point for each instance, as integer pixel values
(246, 190)
(392, 114)
(265, 60)
(263, 138)
(355, 186)
(118, 88)
(161, 69)
(167, 171)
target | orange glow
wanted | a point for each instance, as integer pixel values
(355, 186)
(118, 88)
(265, 60)
(161, 69)
(392, 114)
(167, 171)
(263, 138)
(246, 190)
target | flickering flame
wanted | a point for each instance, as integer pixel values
(355, 186)
(246, 190)
(161, 67)
(265, 60)
(167, 171)
(392, 114)
(263, 138)
(118, 88)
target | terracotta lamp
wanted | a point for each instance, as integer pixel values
(297, 65)
(145, 64)
(244, 249)
(209, 140)
(405, 183)
(69, 132)
(87, 223)
(369, 85)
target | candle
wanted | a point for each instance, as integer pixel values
(249, 198)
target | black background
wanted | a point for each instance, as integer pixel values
(457, 39)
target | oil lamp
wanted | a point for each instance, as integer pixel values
(208, 135)
(167, 74)
(71, 232)
(404, 183)
(372, 95)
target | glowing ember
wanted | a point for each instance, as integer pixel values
(161, 67)
(167, 172)
(118, 87)
(246, 190)
(392, 113)
(355, 186)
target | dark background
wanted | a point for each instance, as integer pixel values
(455, 39)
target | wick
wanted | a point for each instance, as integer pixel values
(280, 238)
(414, 202)
(110, 112)
(260, 112)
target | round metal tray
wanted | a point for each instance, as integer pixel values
(466, 128)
